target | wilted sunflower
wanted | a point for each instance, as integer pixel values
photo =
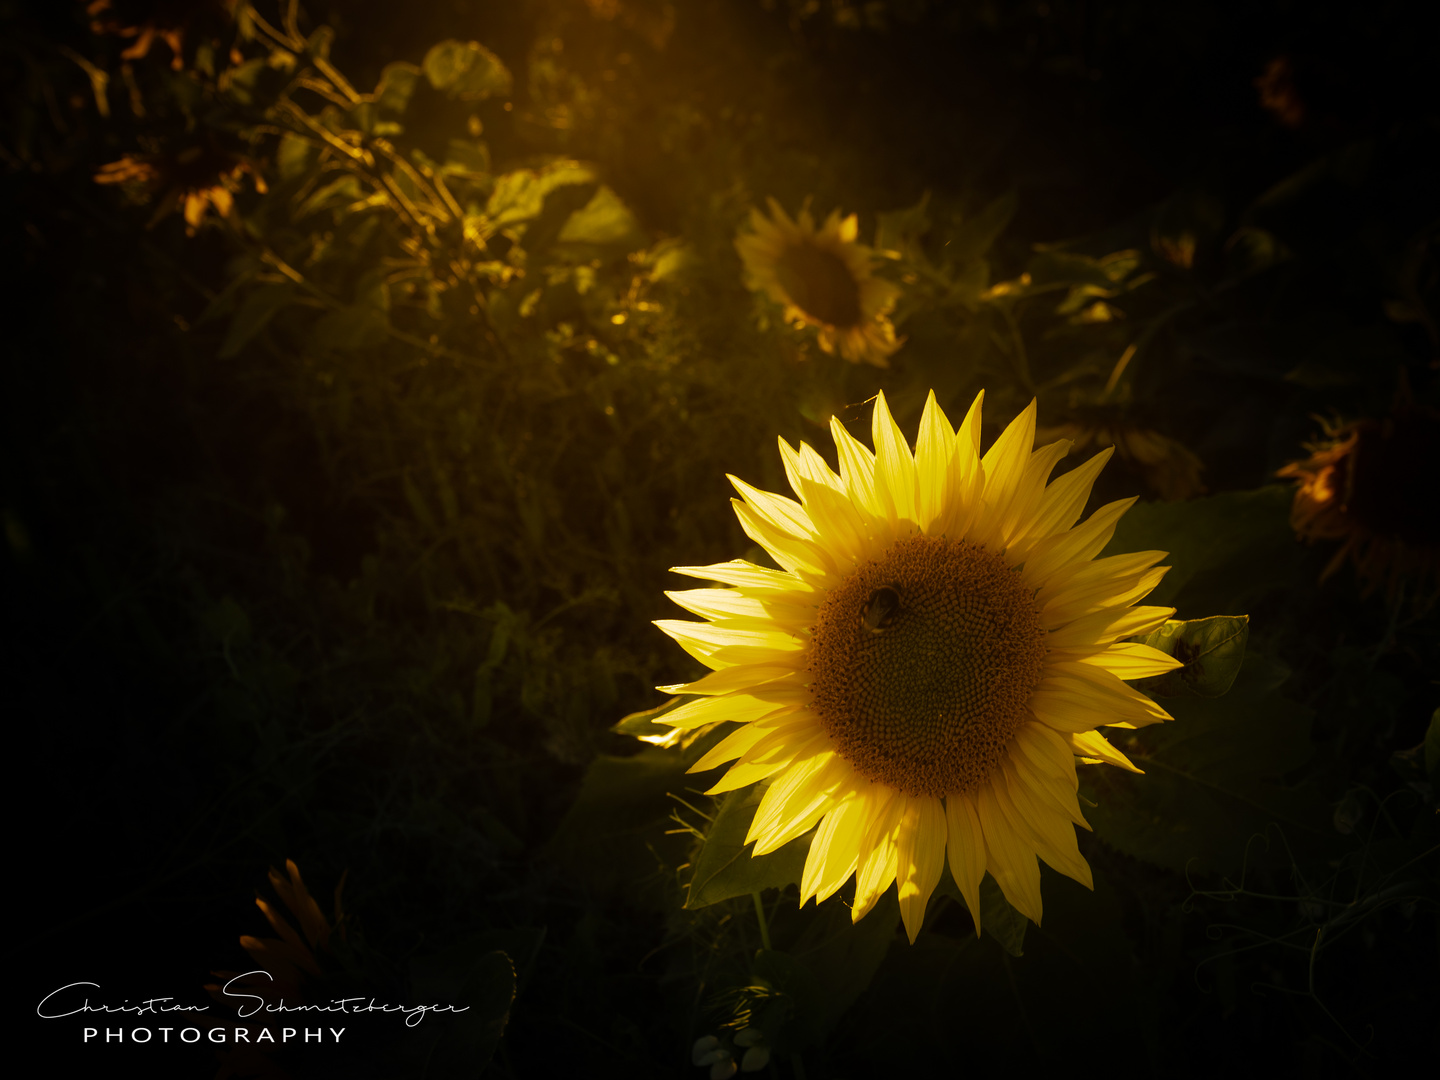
(1364, 485)
(822, 277)
(921, 676)
(290, 957)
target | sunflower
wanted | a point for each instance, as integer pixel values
(1359, 485)
(192, 179)
(288, 959)
(822, 277)
(921, 677)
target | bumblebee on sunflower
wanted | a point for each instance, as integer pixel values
(920, 678)
(822, 277)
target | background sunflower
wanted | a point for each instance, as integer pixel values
(823, 279)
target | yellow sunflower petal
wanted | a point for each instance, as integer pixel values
(895, 482)
(857, 470)
(786, 515)
(1092, 747)
(1080, 543)
(965, 846)
(794, 802)
(835, 850)
(1132, 660)
(746, 575)
(879, 856)
(1052, 836)
(1060, 507)
(938, 481)
(920, 858)
(1107, 626)
(794, 553)
(739, 677)
(1010, 860)
(739, 708)
(743, 739)
(807, 464)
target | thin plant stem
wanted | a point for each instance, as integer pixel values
(764, 926)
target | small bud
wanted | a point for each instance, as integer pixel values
(723, 1070)
(750, 1036)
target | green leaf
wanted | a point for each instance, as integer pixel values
(823, 973)
(1211, 650)
(1213, 779)
(466, 70)
(1000, 919)
(900, 230)
(604, 220)
(294, 155)
(520, 195)
(976, 236)
(467, 158)
(725, 868)
(997, 917)
(254, 315)
(1106, 274)
(397, 84)
(642, 723)
(1226, 552)
(355, 326)
(484, 987)
(620, 824)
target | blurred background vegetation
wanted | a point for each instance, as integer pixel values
(368, 365)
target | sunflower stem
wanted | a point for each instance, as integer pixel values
(764, 926)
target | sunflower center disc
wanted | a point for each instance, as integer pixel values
(819, 283)
(922, 664)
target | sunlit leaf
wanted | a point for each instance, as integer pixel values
(520, 195)
(642, 723)
(466, 70)
(604, 220)
(725, 867)
(294, 155)
(397, 84)
(1211, 649)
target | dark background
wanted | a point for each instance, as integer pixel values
(140, 481)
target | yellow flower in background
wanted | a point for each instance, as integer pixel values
(920, 678)
(822, 277)
(1359, 486)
